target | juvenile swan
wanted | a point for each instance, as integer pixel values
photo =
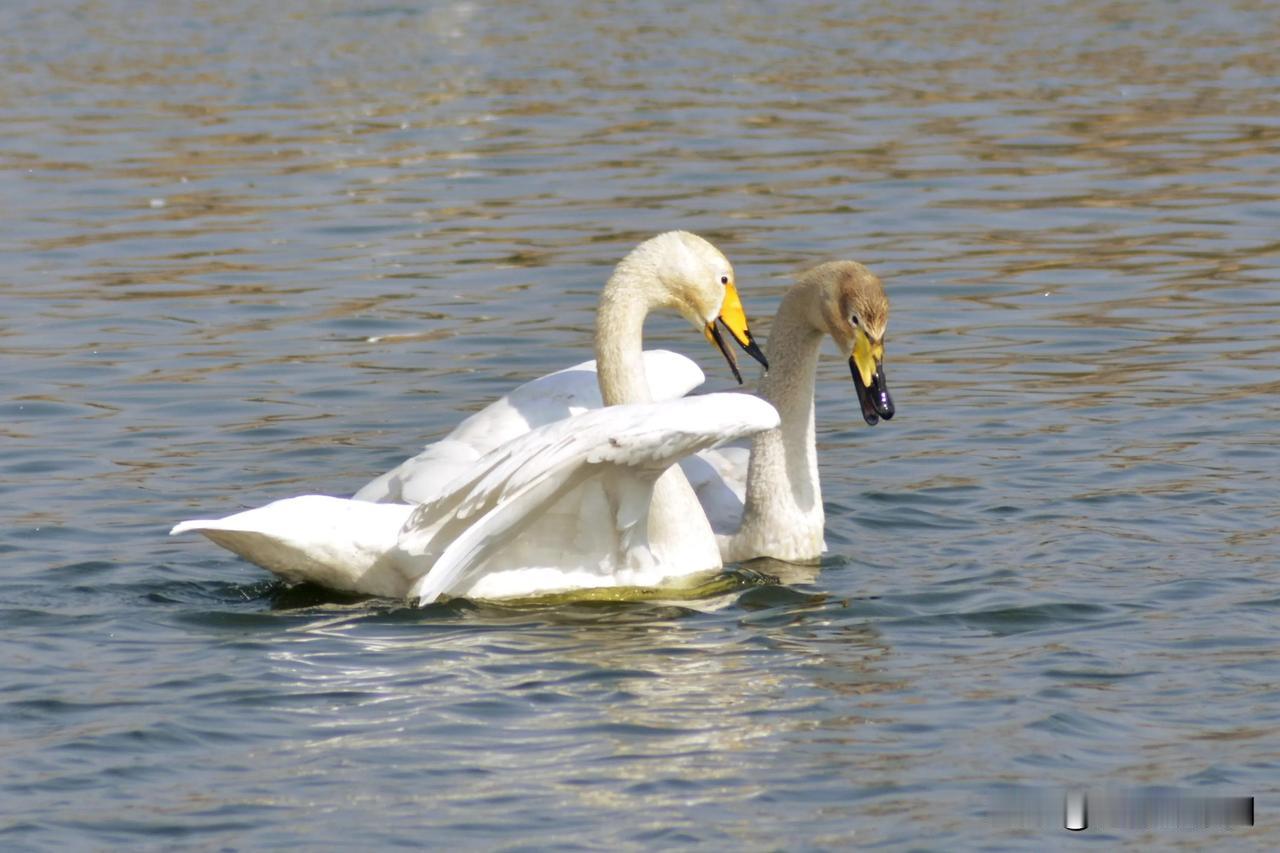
(771, 506)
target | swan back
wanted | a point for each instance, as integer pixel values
(565, 393)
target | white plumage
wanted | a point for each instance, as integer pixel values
(535, 494)
(766, 500)
(541, 401)
(562, 507)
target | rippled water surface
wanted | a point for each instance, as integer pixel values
(257, 250)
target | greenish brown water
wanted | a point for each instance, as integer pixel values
(254, 251)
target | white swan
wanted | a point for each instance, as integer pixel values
(768, 503)
(583, 502)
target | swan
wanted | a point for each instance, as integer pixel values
(581, 502)
(768, 503)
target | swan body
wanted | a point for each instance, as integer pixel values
(587, 501)
(562, 507)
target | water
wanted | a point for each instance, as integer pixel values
(254, 251)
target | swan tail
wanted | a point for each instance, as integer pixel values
(342, 544)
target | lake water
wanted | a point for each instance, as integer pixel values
(258, 250)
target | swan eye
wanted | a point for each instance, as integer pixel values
(724, 279)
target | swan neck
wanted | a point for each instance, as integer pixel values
(620, 340)
(794, 342)
(782, 480)
(678, 532)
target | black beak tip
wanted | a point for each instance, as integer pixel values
(736, 374)
(753, 349)
(725, 351)
(874, 401)
(880, 397)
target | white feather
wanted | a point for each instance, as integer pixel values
(541, 401)
(500, 530)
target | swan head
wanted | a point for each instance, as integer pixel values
(685, 273)
(851, 307)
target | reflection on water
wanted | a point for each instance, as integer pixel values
(624, 700)
(260, 251)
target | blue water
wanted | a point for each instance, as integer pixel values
(253, 251)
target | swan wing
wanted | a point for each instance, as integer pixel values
(536, 403)
(719, 479)
(565, 506)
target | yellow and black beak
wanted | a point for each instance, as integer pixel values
(734, 318)
(867, 366)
